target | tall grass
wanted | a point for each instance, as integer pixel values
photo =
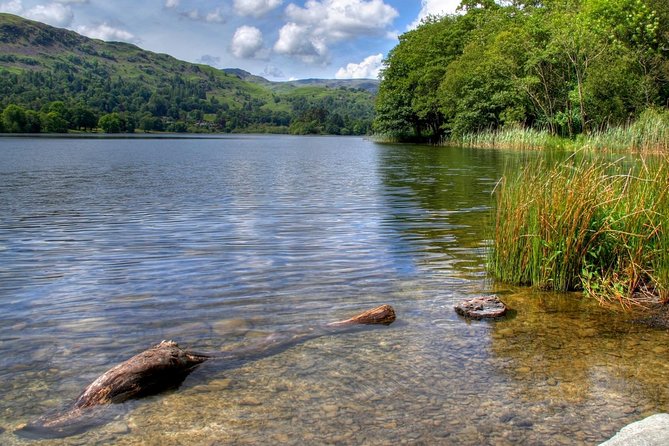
(515, 138)
(648, 134)
(585, 224)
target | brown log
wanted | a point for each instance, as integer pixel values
(383, 315)
(166, 365)
(161, 367)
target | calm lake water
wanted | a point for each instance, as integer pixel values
(108, 246)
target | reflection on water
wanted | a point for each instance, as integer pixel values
(110, 246)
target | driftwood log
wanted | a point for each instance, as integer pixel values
(166, 365)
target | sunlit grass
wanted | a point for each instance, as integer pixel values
(515, 138)
(648, 134)
(585, 224)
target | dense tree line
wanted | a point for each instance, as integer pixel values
(564, 66)
(82, 95)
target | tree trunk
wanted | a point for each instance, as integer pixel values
(166, 365)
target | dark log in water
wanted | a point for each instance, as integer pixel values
(161, 367)
(166, 365)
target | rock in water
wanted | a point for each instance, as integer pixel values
(481, 308)
(651, 431)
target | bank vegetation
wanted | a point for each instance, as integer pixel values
(531, 73)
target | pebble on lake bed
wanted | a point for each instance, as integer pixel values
(481, 308)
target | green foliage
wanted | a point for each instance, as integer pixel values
(14, 119)
(111, 123)
(53, 122)
(565, 67)
(81, 79)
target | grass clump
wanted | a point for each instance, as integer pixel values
(585, 224)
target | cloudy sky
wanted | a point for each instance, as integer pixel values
(277, 39)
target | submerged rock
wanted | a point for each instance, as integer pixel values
(481, 308)
(656, 316)
(651, 431)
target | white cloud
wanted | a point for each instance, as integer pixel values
(273, 71)
(210, 60)
(312, 28)
(103, 31)
(435, 7)
(214, 16)
(341, 19)
(210, 17)
(299, 41)
(246, 42)
(54, 14)
(71, 1)
(367, 69)
(171, 3)
(12, 7)
(255, 8)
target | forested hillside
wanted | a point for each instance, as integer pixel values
(562, 66)
(52, 80)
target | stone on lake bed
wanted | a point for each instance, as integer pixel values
(483, 307)
(651, 431)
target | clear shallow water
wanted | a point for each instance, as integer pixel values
(109, 246)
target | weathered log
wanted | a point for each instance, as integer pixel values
(161, 367)
(166, 365)
(383, 315)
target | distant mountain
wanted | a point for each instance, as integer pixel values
(371, 85)
(41, 65)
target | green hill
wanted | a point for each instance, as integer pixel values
(53, 79)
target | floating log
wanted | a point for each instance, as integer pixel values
(166, 365)
(484, 307)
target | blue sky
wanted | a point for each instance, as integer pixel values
(277, 39)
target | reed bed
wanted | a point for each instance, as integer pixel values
(648, 134)
(514, 138)
(585, 224)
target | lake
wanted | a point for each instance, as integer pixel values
(108, 246)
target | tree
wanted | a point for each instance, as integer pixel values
(83, 118)
(53, 122)
(33, 122)
(14, 119)
(110, 123)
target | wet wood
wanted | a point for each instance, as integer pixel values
(383, 315)
(161, 367)
(166, 365)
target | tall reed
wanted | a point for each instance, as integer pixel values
(515, 138)
(585, 224)
(648, 134)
